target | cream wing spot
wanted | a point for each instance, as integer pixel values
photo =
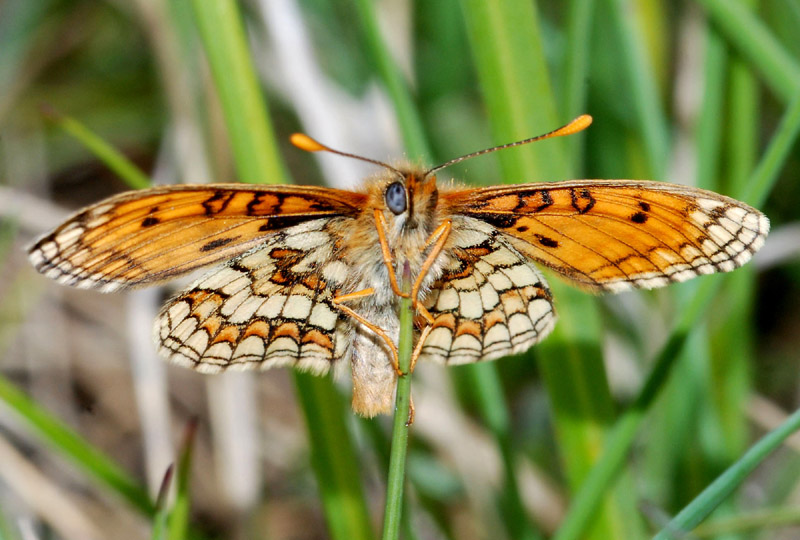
(323, 317)
(297, 307)
(448, 300)
(335, 272)
(233, 302)
(245, 311)
(250, 349)
(272, 307)
(496, 334)
(69, 236)
(197, 342)
(470, 306)
(521, 275)
(720, 234)
(499, 281)
(489, 296)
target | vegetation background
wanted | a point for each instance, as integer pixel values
(611, 427)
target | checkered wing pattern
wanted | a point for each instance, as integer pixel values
(490, 300)
(267, 308)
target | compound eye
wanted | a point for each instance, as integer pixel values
(396, 198)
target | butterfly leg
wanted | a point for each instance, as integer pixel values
(440, 235)
(437, 239)
(380, 226)
(418, 347)
(337, 303)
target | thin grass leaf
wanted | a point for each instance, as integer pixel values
(178, 523)
(84, 455)
(113, 159)
(576, 67)
(410, 125)
(650, 117)
(755, 42)
(257, 160)
(728, 481)
(333, 457)
(760, 520)
(509, 58)
(587, 500)
(252, 141)
(161, 517)
(395, 482)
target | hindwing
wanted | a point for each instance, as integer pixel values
(490, 300)
(269, 307)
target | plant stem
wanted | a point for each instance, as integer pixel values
(723, 486)
(397, 458)
(110, 156)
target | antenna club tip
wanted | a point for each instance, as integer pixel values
(304, 142)
(576, 126)
(583, 121)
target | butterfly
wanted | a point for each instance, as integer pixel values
(308, 275)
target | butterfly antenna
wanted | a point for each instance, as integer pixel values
(304, 142)
(579, 124)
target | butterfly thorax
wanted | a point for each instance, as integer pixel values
(406, 232)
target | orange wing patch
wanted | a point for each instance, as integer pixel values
(615, 235)
(149, 236)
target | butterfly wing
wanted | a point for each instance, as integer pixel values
(269, 307)
(148, 236)
(490, 300)
(613, 235)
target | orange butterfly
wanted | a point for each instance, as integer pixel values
(309, 274)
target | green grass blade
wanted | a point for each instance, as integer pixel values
(775, 155)
(333, 458)
(411, 126)
(509, 58)
(397, 460)
(587, 500)
(86, 457)
(576, 66)
(756, 43)
(253, 144)
(106, 153)
(257, 160)
(178, 523)
(650, 117)
(161, 517)
(487, 388)
(753, 521)
(734, 340)
(728, 481)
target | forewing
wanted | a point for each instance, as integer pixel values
(490, 301)
(616, 234)
(269, 307)
(151, 235)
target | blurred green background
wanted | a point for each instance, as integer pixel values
(690, 92)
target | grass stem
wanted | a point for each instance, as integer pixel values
(397, 458)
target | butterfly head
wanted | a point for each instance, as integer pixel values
(407, 199)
